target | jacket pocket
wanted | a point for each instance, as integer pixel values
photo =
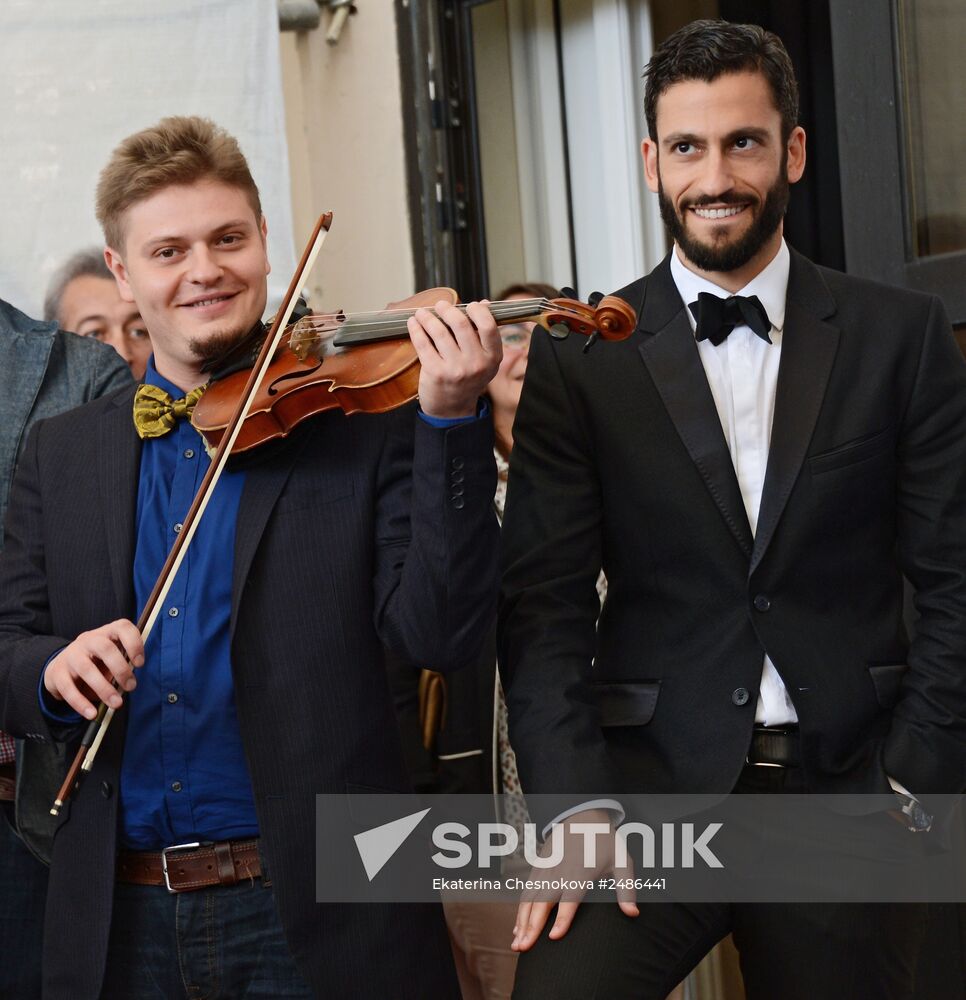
(312, 499)
(886, 678)
(370, 805)
(852, 452)
(626, 703)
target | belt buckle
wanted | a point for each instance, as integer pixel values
(761, 763)
(780, 731)
(164, 860)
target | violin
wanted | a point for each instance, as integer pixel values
(365, 362)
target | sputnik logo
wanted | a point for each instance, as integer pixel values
(378, 845)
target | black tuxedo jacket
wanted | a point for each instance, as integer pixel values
(349, 535)
(619, 461)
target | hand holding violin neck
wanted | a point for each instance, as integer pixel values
(459, 352)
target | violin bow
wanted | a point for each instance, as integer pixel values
(97, 730)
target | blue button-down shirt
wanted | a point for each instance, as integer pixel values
(184, 775)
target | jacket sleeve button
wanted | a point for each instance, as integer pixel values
(740, 696)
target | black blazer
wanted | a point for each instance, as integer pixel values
(348, 535)
(619, 461)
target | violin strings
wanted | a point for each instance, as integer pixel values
(375, 324)
(363, 319)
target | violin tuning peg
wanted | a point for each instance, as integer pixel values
(569, 293)
(591, 340)
(560, 331)
(594, 298)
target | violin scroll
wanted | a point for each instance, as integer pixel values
(616, 320)
(607, 317)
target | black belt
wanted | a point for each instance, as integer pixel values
(775, 747)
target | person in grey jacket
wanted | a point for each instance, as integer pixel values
(43, 371)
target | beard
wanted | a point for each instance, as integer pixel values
(728, 255)
(217, 345)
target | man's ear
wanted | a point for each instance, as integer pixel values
(796, 154)
(649, 156)
(113, 260)
(263, 228)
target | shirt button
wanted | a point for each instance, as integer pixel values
(178, 527)
(740, 696)
(175, 786)
(762, 603)
(172, 698)
(172, 612)
(189, 453)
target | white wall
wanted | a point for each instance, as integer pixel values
(343, 110)
(76, 78)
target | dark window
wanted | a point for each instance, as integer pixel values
(901, 99)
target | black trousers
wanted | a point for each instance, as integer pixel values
(788, 951)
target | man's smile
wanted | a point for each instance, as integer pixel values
(727, 212)
(208, 300)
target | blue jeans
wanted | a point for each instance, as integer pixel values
(222, 943)
(23, 889)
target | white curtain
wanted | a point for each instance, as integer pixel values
(77, 76)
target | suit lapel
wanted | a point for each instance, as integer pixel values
(809, 345)
(118, 460)
(266, 473)
(674, 364)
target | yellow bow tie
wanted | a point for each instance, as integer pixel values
(156, 413)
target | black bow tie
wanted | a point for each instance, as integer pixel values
(717, 317)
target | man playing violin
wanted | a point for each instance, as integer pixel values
(263, 683)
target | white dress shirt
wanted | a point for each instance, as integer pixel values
(742, 373)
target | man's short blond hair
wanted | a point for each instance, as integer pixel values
(178, 150)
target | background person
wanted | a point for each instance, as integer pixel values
(43, 371)
(454, 726)
(83, 297)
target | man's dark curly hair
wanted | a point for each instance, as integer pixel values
(705, 50)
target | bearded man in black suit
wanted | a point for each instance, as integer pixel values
(755, 471)
(185, 863)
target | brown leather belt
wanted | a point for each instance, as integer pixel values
(184, 867)
(8, 781)
(775, 747)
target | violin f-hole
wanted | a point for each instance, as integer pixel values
(301, 373)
